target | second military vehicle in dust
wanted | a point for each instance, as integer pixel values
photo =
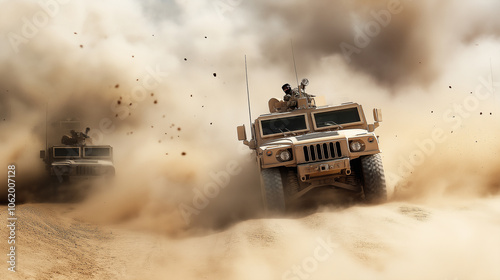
(75, 160)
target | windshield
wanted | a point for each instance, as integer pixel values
(338, 117)
(66, 152)
(283, 125)
(97, 152)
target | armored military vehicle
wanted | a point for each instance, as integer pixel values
(300, 146)
(75, 159)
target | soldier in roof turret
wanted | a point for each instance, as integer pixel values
(291, 96)
(76, 138)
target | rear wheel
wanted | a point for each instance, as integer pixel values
(272, 190)
(374, 187)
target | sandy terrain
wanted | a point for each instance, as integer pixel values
(397, 240)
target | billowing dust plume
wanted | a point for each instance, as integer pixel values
(164, 84)
(397, 43)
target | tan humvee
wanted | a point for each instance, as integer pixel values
(73, 160)
(302, 146)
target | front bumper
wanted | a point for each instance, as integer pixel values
(309, 171)
(82, 171)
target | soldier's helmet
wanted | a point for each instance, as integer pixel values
(286, 88)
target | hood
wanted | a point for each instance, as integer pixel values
(318, 136)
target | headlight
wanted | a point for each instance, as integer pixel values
(356, 146)
(284, 155)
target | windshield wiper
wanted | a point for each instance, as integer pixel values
(334, 123)
(284, 132)
(293, 133)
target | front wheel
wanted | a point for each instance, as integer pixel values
(374, 187)
(272, 190)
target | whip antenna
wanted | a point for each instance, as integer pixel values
(46, 121)
(295, 68)
(248, 98)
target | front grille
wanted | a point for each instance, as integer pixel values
(86, 170)
(323, 151)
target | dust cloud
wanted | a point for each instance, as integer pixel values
(163, 82)
(398, 43)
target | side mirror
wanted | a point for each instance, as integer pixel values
(42, 153)
(377, 115)
(242, 134)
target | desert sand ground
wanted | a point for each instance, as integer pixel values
(458, 239)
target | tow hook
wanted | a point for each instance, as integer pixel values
(324, 167)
